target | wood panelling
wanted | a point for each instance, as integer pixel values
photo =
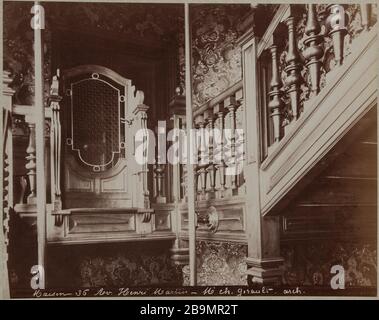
(103, 222)
(231, 220)
(341, 202)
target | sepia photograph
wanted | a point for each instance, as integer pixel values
(186, 149)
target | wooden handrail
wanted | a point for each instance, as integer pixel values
(266, 40)
(221, 97)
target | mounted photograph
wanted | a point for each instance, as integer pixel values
(189, 150)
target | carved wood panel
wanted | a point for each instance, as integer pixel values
(96, 172)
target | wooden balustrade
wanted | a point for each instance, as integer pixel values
(310, 55)
(220, 155)
(53, 133)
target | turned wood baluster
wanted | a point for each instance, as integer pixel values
(314, 50)
(240, 141)
(211, 169)
(276, 104)
(220, 152)
(230, 104)
(201, 147)
(292, 69)
(31, 164)
(337, 26)
(184, 173)
(159, 171)
(365, 13)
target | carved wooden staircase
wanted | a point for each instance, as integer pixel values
(310, 92)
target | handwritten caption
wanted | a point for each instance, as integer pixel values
(161, 291)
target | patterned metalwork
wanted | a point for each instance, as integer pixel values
(95, 126)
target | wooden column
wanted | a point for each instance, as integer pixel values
(190, 171)
(40, 141)
(263, 234)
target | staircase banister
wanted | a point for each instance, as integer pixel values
(281, 14)
(219, 98)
